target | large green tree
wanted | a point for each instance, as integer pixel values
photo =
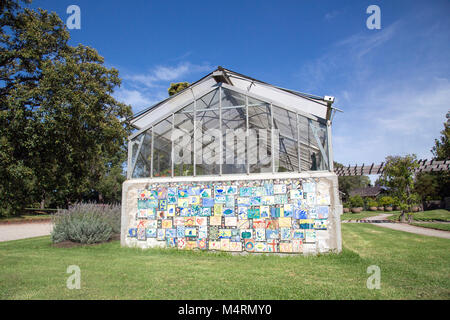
(427, 186)
(398, 176)
(61, 129)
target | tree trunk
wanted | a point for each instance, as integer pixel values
(402, 217)
(42, 204)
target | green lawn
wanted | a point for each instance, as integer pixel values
(412, 267)
(363, 215)
(439, 214)
(431, 225)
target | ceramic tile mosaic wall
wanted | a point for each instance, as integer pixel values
(283, 216)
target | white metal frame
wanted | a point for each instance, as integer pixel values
(247, 94)
(239, 176)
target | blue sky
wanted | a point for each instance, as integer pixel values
(393, 84)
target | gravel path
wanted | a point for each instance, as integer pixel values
(409, 228)
(24, 230)
(404, 227)
(382, 216)
(413, 229)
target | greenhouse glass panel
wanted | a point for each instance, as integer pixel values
(162, 148)
(256, 137)
(259, 143)
(141, 155)
(134, 145)
(305, 149)
(207, 137)
(208, 144)
(285, 122)
(234, 125)
(232, 99)
(319, 145)
(208, 101)
(183, 137)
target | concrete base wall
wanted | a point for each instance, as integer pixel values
(288, 213)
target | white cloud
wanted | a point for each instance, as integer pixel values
(141, 90)
(360, 44)
(148, 81)
(161, 74)
(346, 57)
(134, 98)
(170, 73)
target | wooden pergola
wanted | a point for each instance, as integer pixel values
(424, 166)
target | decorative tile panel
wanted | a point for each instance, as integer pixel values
(270, 216)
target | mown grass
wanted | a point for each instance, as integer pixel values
(431, 225)
(412, 267)
(438, 215)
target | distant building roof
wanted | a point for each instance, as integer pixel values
(368, 191)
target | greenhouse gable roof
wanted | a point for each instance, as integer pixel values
(306, 104)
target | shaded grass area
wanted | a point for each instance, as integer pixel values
(431, 225)
(438, 215)
(363, 215)
(412, 267)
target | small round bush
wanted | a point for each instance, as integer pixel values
(386, 201)
(86, 223)
(356, 201)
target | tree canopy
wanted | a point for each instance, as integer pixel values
(61, 129)
(398, 176)
(441, 148)
(177, 87)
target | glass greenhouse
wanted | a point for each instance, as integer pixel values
(227, 123)
(233, 164)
